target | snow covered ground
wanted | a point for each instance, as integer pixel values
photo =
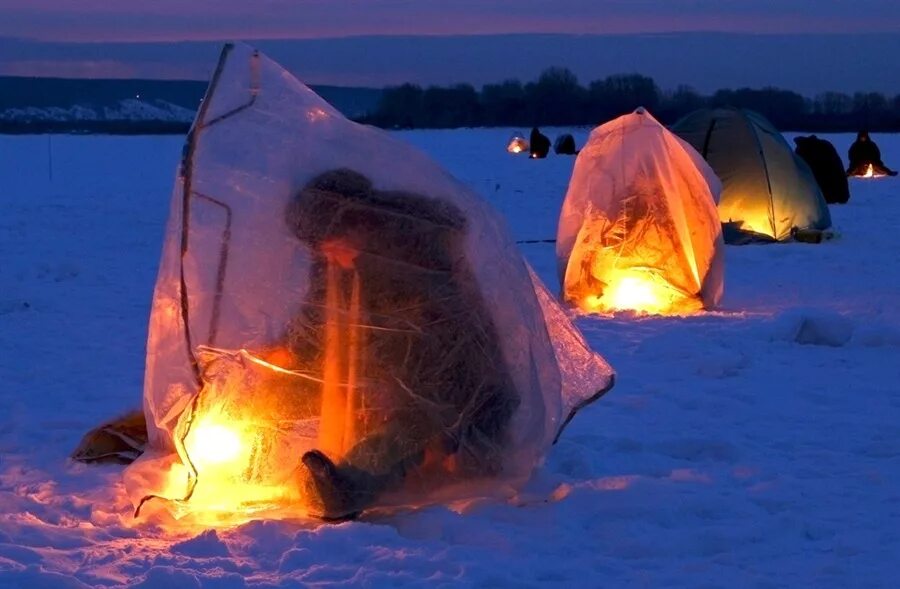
(758, 446)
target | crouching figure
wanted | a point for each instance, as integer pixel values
(865, 158)
(393, 327)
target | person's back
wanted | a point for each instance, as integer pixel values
(540, 144)
(390, 270)
(826, 166)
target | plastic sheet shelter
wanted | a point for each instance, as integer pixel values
(338, 324)
(517, 144)
(768, 191)
(639, 229)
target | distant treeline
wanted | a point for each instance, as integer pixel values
(557, 98)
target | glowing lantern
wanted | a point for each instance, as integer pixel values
(211, 445)
(634, 293)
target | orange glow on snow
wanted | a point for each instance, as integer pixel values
(636, 291)
(871, 173)
(636, 294)
(517, 145)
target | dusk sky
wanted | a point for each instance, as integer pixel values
(96, 38)
(176, 20)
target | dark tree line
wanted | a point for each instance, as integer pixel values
(557, 98)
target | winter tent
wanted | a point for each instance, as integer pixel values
(768, 191)
(338, 324)
(639, 229)
(827, 167)
(517, 144)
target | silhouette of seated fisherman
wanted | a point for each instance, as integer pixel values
(565, 145)
(409, 377)
(826, 166)
(865, 158)
(540, 144)
(400, 359)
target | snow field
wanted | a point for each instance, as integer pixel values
(756, 446)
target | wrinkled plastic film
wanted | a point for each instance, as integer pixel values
(327, 288)
(639, 228)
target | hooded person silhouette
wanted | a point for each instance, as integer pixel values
(826, 166)
(864, 153)
(407, 364)
(540, 144)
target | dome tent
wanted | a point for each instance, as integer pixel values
(639, 229)
(297, 361)
(768, 191)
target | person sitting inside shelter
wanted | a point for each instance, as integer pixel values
(865, 158)
(395, 320)
(540, 144)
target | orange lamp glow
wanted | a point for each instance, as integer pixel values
(634, 293)
(517, 145)
(225, 456)
(637, 291)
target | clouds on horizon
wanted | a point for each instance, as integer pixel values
(176, 20)
(707, 61)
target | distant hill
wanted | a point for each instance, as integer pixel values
(58, 105)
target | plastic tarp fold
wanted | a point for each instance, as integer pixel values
(639, 229)
(338, 324)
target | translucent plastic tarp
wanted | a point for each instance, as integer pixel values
(639, 229)
(768, 190)
(338, 324)
(517, 144)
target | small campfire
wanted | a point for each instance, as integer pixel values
(870, 173)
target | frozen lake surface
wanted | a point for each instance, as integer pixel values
(757, 446)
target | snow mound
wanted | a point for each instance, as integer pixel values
(814, 327)
(206, 545)
(730, 455)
